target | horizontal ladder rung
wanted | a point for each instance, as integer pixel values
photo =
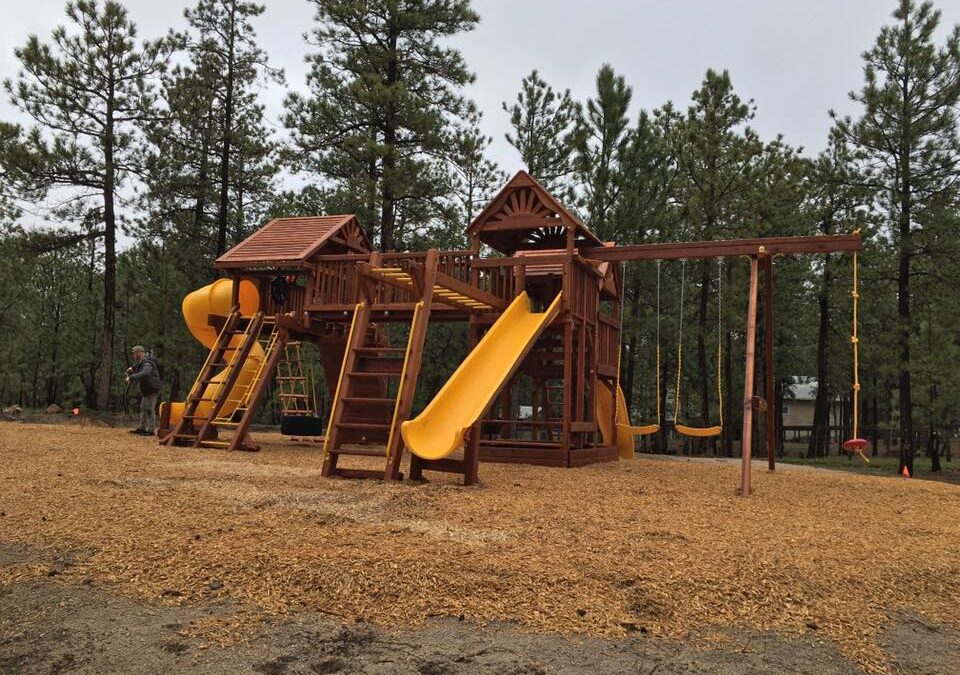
(371, 374)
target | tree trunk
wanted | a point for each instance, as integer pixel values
(109, 265)
(52, 376)
(227, 137)
(200, 203)
(903, 313)
(388, 206)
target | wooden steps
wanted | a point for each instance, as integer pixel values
(235, 401)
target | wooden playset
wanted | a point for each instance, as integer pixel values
(543, 323)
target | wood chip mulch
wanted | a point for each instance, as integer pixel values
(653, 546)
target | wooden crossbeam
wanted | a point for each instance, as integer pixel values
(726, 248)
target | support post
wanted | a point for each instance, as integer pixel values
(747, 434)
(768, 389)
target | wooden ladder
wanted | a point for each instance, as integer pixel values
(362, 411)
(218, 357)
(241, 399)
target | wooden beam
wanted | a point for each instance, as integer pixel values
(523, 221)
(770, 416)
(747, 434)
(726, 248)
(407, 387)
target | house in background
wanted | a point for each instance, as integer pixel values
(799, 402)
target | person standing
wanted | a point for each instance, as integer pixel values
(146, 374)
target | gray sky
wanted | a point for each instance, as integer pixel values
(796, 59)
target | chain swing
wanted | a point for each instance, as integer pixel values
(684, 429)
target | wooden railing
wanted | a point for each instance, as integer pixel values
(608, 341)
(335, 279)
(336, 282)
(295, 297)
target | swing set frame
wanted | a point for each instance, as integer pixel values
(761, 252)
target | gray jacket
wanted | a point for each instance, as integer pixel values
(147, 375)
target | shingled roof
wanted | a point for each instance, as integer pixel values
(292, 242)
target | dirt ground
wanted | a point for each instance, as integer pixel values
(117, 555)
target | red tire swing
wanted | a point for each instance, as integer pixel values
(856, 444)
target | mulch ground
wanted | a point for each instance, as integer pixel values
(652, 546)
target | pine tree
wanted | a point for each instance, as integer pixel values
(226, 52)
(543, 122)
(475, 177)
(604, 151)
(88, 91)
(383, 91)
(214, 157)
(714, 151)
(907, 142)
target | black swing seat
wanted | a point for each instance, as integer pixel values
(301, 425)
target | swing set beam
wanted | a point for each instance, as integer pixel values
(726, 248)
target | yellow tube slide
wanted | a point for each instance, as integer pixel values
(442, 426)
(215, 299)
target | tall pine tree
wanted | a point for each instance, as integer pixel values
(543, 122)
(383, 89)
(88, 91)
(907, 143)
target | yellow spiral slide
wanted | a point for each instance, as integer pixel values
(215, 300)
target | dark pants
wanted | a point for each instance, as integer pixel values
(148, 412)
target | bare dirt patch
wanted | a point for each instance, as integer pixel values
(641, 548)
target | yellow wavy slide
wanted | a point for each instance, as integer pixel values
(442, 426)
(215, 299)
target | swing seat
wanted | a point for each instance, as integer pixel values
(644, 430)
(698, 432)
(856, 445)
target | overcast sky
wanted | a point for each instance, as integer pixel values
(796, 58)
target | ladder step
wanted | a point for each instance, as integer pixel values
(370, 374)
(360, 452)
(360, 400)
(374, 350)
(363, 426)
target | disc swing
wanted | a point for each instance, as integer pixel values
(684, 429)
(856, 444)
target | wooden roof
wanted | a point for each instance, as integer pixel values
(524, 216)
(291, 242)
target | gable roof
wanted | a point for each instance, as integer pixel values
(525, 216)
(291, 242)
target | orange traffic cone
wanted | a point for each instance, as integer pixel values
(905, 473)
